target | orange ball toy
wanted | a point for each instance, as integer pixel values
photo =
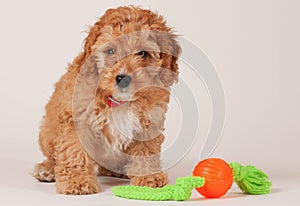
(218, 177)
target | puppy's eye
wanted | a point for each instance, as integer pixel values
(143, 54)
(110, 51)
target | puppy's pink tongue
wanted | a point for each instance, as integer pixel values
(114, 103)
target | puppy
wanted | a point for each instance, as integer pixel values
(108, 109)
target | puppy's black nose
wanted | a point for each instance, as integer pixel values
(123, 80)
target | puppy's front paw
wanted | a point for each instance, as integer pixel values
(154, 180)
(77, 187)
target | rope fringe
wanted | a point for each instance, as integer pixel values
(250, 179)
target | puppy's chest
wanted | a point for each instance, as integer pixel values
(123, 126)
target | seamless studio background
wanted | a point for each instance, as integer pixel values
(254, 46)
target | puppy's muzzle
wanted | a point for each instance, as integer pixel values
(123, 80)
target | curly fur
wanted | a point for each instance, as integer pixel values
(134, 128)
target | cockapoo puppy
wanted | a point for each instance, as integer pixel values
(108, 109)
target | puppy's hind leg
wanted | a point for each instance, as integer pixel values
(44, 172)
(102, 171)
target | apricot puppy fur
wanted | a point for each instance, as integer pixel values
(108, 109)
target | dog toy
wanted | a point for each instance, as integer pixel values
(212, 178)
(218, 177)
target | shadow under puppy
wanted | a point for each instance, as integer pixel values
(109, 108)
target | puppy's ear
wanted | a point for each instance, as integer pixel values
(91, 39)
(169, 54)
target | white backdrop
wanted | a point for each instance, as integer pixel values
(254, 45)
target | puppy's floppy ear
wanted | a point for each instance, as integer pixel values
(91, 39)
(169, 54)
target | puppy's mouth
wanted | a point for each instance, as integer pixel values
(112, 102)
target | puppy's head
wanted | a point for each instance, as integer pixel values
(135, 53)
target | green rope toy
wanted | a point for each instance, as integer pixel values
(182, 190)
(212, 178)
